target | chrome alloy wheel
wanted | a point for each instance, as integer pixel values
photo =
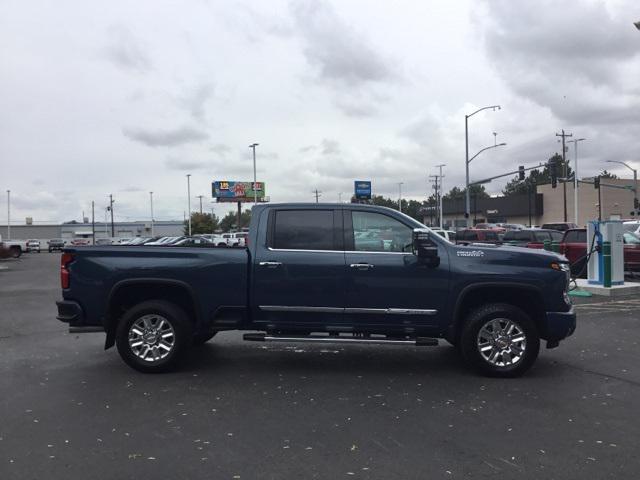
(151, 338)
(501, 342)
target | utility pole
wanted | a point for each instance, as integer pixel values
(575, 178)
(340, 197)
(440, 211)
(93, 221)
(189, 199)
(111, 210)
(317, 193)
(255, 191)
(564, 169)
(151, 199)
(200, 197)
(8, 214)
(436, 187)
(400, 196)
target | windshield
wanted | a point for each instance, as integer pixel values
(631, 238)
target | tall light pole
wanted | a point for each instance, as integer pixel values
(189, 199)
(466, 144)
(151, 198)
(200, 197)
(400, 195)
(442, 191)
(575, 178)
(636, 206)
(255, 191)
(8, 214)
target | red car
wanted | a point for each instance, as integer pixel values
(477, 235)
(574, 247)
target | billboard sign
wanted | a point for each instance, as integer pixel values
(230, 191)
(362, 190)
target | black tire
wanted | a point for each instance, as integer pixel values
(16, 252)
(500, 314)
(178, 321)
(202, 338)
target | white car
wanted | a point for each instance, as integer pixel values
(632, 226)
(33, 246)
(448, 234)
(16, 247)
(162, 241)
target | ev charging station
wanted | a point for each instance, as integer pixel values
(606, 264)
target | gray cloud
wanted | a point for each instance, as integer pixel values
(131, 189)
(195, 99)
(338, 52)
(165, 138)
(330, 147)
(575, 58)
(126, 51)
(220, 148)
(176, 163)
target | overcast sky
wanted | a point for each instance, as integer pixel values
(128, 97)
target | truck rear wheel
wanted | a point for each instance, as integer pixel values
(16, 252)
(153, 336)
(500, 340)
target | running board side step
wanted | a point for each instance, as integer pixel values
(263, 337)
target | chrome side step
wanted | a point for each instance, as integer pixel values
(263, 337)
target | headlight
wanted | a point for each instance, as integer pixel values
(561, 267)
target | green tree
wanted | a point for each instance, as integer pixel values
(201, 223)
(457, 193)
(230, 221)
(515, 186)
(605, 174)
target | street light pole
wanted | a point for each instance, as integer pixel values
(466, 145)
(636, 207)
(255, 191)
(111, 210)
(189, 199)
(575, 178)
(8, 214)
(400, 195)
(441, 193)
(151, 198)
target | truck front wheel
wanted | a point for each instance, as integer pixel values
(500, 340)
(153, 336)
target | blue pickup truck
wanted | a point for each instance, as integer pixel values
(345, 273)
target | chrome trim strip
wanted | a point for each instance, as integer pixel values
(288, 308)
(351, 310)
(392, 311)
(334, 251)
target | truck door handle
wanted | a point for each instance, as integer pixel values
(270, 264)
(361, 266)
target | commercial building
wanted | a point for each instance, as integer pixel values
(546, 205)
(85, 230)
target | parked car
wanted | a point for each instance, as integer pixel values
(55, 244)
(478, 235)
(632, 226)
(16, 247)
(303, 279)
(193, 242)
(103, 241)
(81, 242)
(448, 234)
(560, 226)
(511, 226)
(163, 241)
(531, 237)
(237, 239)
(574, 247)
(33, 246)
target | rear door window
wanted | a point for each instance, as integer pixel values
(303, 230)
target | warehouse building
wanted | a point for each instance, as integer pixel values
(69, 231)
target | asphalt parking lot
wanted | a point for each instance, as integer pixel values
(241, 410)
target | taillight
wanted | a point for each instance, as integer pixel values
(65, 260)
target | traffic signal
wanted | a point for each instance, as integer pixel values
(636, 203)
(521, 172)
(596, 182)
(554, 173)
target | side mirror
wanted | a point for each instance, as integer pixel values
(425, 249)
